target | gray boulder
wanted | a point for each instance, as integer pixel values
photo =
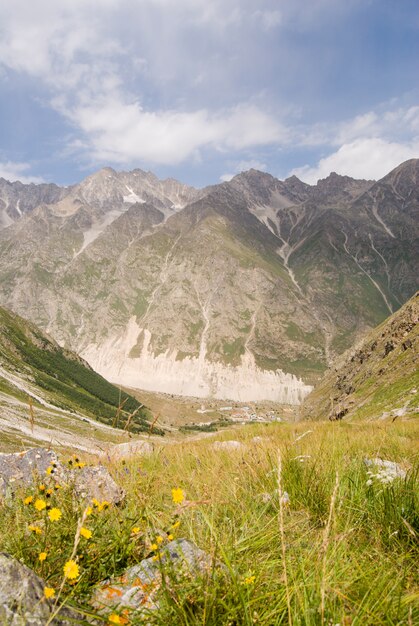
(28, 468)
(22, 600)
(137, 589)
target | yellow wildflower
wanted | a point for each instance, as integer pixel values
(42, 556)
(80, 465)
(49, 592)
(96, 502)
(89, 511)
(71, 569)
(249, 580)
(178, 496)
(28, 500)
(103, 505)
(157, 557)
(40, 505)
(54, 515)
(49, 492)
(136, 530)
(154, 546)
(49, 471)
(41, 487)
(57, 486)
(35, 529)
(170, 537)
(175, 525)
(85, 532)
(117, 619)
(159, 539)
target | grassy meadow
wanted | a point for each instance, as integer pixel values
(306, 535)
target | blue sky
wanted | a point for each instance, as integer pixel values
(202, 89)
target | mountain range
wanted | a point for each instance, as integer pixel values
(245, 290)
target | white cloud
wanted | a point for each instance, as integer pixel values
(85, 52)
(268, 19)
(12, 171)
(370, 158)
(122, 133)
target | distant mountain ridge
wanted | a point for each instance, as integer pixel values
(244, 290)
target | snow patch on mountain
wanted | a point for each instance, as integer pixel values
(191, 376)
(132, 197)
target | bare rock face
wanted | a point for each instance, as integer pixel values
(22, 601)
(228, 445)
(96, 482)
(26, 468)
(128, 450)
(137, 589)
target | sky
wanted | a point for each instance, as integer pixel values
(200, 90)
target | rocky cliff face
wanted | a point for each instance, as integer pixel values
(244, 290)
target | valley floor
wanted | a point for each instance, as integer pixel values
(311, 524)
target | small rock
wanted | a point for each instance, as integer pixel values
(137, 589)
(259, 439)
(228, 445)
(128, 450)
(22, 601)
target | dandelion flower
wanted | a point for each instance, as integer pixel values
(178, 496)
(159, 539)
(85, 532)
(154, 547)
(49, 592)
(28, 500)
(42, 556)
(71, 569)
(35, 529)
(249, 580)
(117, 619)
(54, 515)
(40, 505)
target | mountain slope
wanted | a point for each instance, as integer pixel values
(37, 376)
(379, 378)
(244, 290)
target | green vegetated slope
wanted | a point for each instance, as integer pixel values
(377, 379)
(32, 364)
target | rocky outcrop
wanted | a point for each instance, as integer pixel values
(138, 588)
(22, 599)
(378, 378)
(22, 469)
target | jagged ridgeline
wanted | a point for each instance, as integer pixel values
(246, 291)
(35, 366)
